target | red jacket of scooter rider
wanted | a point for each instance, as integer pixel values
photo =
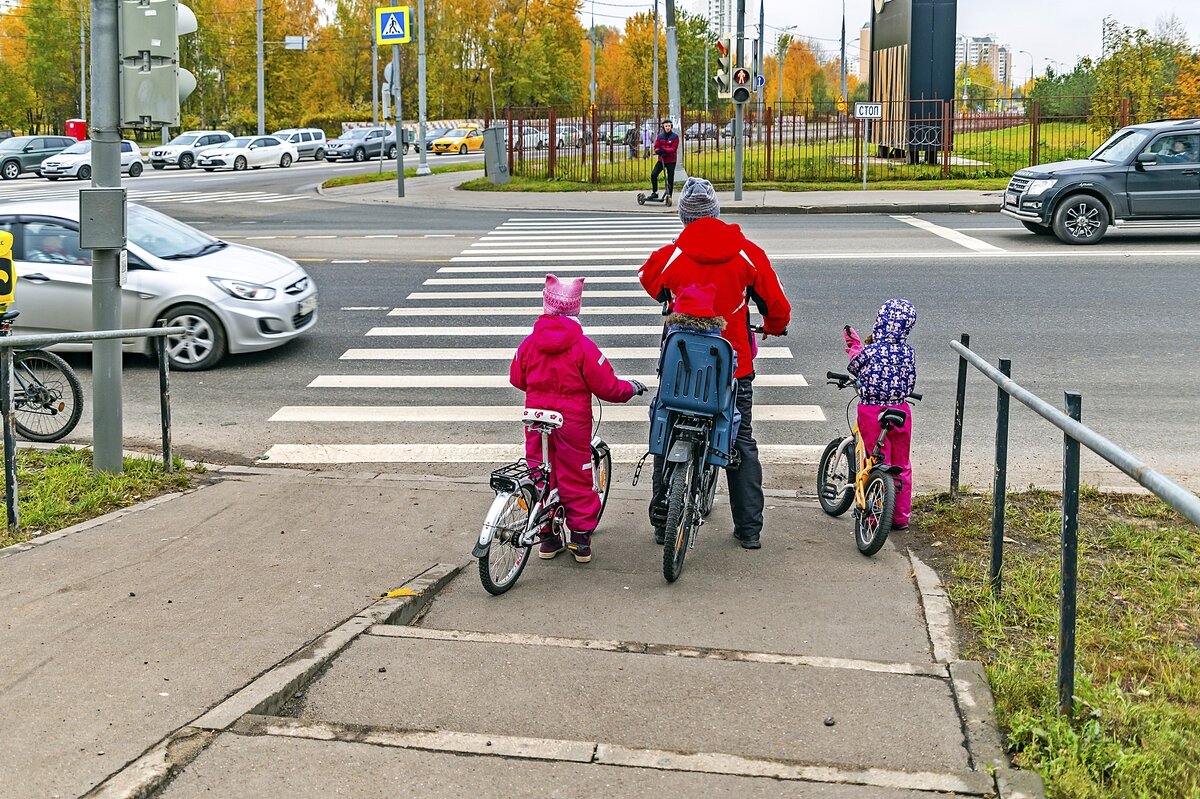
(710, 251)
(667, 145)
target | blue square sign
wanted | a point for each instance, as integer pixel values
(393, 25)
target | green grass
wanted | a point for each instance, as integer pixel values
(57, 488)
(1135, 733)
(409, 172)
(526, 184)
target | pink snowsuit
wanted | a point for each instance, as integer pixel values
(559, 369)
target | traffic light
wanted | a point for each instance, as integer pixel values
(152, 83)
(8, 278)
(743, 85)
(724, 67)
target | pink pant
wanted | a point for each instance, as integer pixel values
(571, 457)
(895, 451)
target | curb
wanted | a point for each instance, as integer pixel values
(863, 208)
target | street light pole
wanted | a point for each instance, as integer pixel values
(592, 37)
(422, 116)
(492, 90)
(674, 109)
(1026, 52)
(655, 46)
(83, 109)
(261, 111)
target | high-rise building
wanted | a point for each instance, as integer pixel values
(864, 53)
(975, 51)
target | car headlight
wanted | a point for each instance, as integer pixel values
(243, 290)
(1037, 187)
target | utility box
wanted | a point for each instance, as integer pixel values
(77, 129)
(495, 161)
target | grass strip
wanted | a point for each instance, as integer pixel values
(58, 488)
(524, 184)
(409, 172)
(1135, 732)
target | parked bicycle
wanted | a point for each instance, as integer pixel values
(871, 489)
(47, 397)
(527, 509)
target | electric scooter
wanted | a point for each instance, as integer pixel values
(644, 198)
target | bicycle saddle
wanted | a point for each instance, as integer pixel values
(8, 316)
(534, 416)
(892, 417)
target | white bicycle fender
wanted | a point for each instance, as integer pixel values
(489, 530)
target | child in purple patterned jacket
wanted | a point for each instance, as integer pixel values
(886, 368)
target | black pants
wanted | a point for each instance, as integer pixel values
(658, 170)
(745, 482)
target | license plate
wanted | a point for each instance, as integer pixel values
(1010, 199)
(308, 305)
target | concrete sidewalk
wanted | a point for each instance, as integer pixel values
(440, 191)
(230, 642)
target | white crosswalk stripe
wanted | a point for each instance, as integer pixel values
(155, 196)
(445, 397)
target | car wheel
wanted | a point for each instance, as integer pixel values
(360, 155)
(11, 170)
(462, 150)
(239, 163)
(135, 169)
(286, 160)
(391, 153)
(187, 161)
(202, 346)
(1081, 219)
(319, 156)
(84, 173)
(1040, 230)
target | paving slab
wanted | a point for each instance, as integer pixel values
(242, 766)
(807, 591)
(115, 636)
(647, 701)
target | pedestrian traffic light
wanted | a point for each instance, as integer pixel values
(724, 67)
(152, 83)
(743, 84)
(8, 278)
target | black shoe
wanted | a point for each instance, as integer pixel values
(660, 535)
(750, 543)
(653, 196)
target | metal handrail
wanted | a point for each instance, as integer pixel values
(8, 344)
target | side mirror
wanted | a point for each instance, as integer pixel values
(28, 148)
(1147, 158)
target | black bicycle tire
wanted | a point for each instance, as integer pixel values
(843, 505)
(877, 541)
(72, 382)
(678, 527)
(606, 471)
(485, 573)
(708, 498)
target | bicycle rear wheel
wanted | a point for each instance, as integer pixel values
(602, 476)
(708, 496)
(873, 523)
(505, 559)
(835, 477)
(47, 397)
(680, 498)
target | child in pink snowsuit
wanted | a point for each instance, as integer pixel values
(886, 369)
(559, 369)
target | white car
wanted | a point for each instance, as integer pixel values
(230, 297)
(248, 152)
(183, 150)
(76, 161)
(526, 139)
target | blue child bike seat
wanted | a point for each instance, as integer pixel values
(695, 377)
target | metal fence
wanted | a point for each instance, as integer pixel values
(1186, 503)
(801, 142)
(9, 344)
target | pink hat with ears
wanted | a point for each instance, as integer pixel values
(562, 297)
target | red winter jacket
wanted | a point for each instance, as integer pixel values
(710, 251)
(667, 145)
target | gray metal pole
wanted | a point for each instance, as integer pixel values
(739, 141)
(166, 134)
(758, 68)
(10, 439)
(423, 163)
(262, 127)
(842, 89)
(592, 38)
(374, 81)
(674, 109)
(83, 109)
(657, 121)
(106, 290)
(399, 120)
(1069, 565)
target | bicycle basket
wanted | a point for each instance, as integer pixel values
(695, 378)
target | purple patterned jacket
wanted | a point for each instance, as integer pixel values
(887, 367)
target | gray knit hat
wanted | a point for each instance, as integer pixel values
(697, 200)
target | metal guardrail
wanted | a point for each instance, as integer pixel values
(7, 412)
(1075, 433)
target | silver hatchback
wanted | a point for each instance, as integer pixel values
(230, 297)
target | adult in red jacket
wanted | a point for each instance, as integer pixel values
(666, 146)
(710, 251)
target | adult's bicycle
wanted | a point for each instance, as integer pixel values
(47, 396)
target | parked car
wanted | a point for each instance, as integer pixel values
(615, 132)
(309, 142)
(359, 144)
(701, 130)
(26, 153)
(231, 298)
(1142, 173)
(526, 139)
(747, 130)
(431, 135)
(76, 161)
(568, 135)
(459, 140)
(183, 150)
(252, 152)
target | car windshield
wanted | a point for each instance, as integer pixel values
(79, 148)
(183, 140)
(456, 134)
(167, 238)
(1121, 147)
(18, 143)
(357, 133)
(242, 142)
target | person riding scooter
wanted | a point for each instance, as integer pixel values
(666, 147)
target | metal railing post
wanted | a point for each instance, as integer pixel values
(960, 399)
(164, 400)
(1000, 479)
(1070, 564)
(10, 439)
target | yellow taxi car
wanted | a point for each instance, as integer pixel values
(460, 140)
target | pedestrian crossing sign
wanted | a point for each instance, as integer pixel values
(392, 25)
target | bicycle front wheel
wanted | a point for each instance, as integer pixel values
(505, 558)
(680, 499)
(874, 522)
(835, 477)
(601, 477)
(47, 397)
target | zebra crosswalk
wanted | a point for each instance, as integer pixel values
(157, 196)
(429, 382)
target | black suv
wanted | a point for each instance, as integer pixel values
(1142, 173)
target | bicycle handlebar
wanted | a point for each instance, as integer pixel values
(843, 380)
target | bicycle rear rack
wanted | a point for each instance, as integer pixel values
(509, 479)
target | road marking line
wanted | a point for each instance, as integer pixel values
(1087, 252)
(489, 453)
(491, 270)
(280, 199)
(557, 245)
(522, 281)
(480, 249)
(463, 414)
(949, 234)
(472, 332)
(439, 236)
(539, 231)
(531, 310)
(365, 308)
(506, 354)
(350, 261)
(488, 382)
(478, 258)
(571, 220)
(320, 237)
(260, 238)
(512, 295)
(382, 236)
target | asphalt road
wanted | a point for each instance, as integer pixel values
(1110, 321)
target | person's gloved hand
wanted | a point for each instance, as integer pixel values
(853, 344)
(639, 388)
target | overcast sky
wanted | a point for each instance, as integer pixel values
(1058, 29)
